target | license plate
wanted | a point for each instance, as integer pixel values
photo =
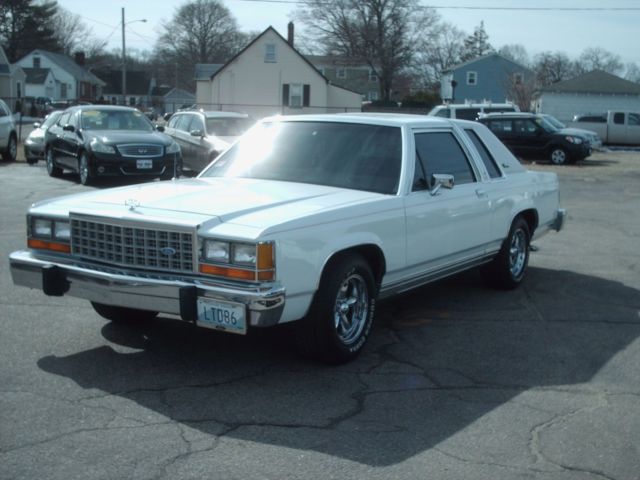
(141, 164)
(229, 317)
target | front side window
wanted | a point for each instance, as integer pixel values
(183, 122)
(500, 126)
(227, 127)
(440, 153)
(344, 155)
(444, 113)
(467, 113)
(472, 78)
(618, 118)
(270, 53)
(196, 124)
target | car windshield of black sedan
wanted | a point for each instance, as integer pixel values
(114, 120)
(345, 155)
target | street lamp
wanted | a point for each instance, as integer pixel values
(124, 57)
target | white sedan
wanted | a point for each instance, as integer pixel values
(306, 219)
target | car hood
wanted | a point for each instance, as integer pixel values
(259, 204)
(576, 132)
(113, 137)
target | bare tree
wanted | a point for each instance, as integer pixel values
(552, 67)
(516, 53)
(438, 52)
(201, 31)
(384, 33)
(597, 58)
(632, 72)
(70, 31)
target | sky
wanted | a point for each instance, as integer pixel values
(554, 25)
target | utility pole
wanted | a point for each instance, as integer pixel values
(124, 65)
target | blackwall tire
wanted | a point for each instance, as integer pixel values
(507, 269)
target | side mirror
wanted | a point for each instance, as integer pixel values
(439, 180)
(36, 124)
(160, 128)
(69, 128)
(197, 133)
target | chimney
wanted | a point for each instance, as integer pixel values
(79, 58)
(290, 33)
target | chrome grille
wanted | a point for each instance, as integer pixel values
(140, 151)
(129, 245)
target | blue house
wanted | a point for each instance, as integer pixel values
(491, 78)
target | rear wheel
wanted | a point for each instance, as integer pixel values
(122, 314)
(11, 153)
(340, 318)
(52, 170)
(507, 269)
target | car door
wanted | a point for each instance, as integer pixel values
(633, 128)
(451, 228)
(617, 127)
(55, 140)
(69, 141)
(183, 137)
(528, 138)
(198, 143)
(5, 125)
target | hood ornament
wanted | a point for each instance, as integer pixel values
(132, 203)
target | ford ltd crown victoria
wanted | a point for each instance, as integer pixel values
(307, 219)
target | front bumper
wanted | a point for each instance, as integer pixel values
(56, 277)
(107, 165)
(34, 151)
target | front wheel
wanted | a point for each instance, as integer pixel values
(122, 314)
(558, 156)
(340, 318)
(507, 269)
(11, 153)
(52, 170)
(84, 171)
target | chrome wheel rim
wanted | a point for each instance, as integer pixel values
(517, 253)
(558, 157)
(83, 170)
(351, 309)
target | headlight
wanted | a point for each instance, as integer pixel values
(42, 228)
(216, 251)
(575, 140)
(34, 141)
(61, 230)
(99, 147)
(173, 148)
(244, 254)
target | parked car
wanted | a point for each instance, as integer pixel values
(307, 219)
(615, 127)
(594, 139)
(471, 111)
(8, 135)
(102, 141)
(203, 135)
(34, 143)
(531, 135)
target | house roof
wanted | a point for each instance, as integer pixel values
(271, 29)
(482, 58)
(36, 76)
(337, 60)
(4, 63)
(204, 71)
(597, 81)
(68, 64)
(161, 91)
(138, 82)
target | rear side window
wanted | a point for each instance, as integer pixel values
(618, 118)
(440, 152)
(487, 158)
(467, 113)
(500, 126)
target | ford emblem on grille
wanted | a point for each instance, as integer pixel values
(142, 151)
(168, 251)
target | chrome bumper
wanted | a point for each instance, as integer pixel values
(264, 306)
(558, 223)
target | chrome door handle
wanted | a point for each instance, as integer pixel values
(481, 193)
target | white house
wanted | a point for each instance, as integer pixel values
(12, 80)
(72, 80)
(593, 92)
(271, 77)
(40, 82)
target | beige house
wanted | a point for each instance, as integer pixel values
(270, 77)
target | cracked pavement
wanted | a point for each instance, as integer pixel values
(458, 381)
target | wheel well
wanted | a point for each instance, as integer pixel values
(372, 254)
(531, 217)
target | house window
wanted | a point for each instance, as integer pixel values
(270, 53)
(373, 77)
(518, 78)
(63, 90)
(472, 78)
(36, 62)
(296, 95)
(373, 95)
(341, 72)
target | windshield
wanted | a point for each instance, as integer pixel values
(554, 121)
(546, 125)
(50, 120)
(360, 157)
(114, 120)
(228, 127)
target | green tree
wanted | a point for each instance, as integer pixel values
(26, 25)
(476, 45)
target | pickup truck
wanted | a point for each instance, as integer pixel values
(613, 127)
(307, 219)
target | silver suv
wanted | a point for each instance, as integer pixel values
(8, 136)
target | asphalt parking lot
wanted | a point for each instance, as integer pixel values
(458, 381)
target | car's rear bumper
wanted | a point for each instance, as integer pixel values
(264, 305)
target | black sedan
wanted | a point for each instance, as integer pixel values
(102, 141)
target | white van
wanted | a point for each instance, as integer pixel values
(471, 111)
